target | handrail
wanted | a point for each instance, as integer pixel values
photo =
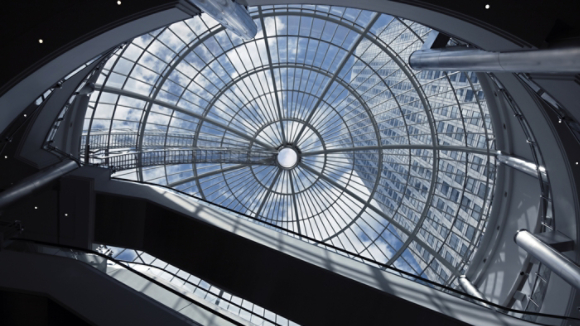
(318, 242)
(200, 288)
(546, 208)
(148, 278)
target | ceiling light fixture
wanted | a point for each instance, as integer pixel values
(287, 158)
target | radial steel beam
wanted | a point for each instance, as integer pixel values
(341, 65)
(294, 203)
(474, 150)
(123, 92)
(265, 199)
(562, 60)
(555, 261)
(383, 215)
(36, 181)
(272, 76)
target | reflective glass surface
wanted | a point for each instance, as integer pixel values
(393, 164)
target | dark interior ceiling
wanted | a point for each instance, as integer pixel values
(62, 25)
(66, 23)
(537, 22)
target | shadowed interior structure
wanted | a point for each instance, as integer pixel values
(259, 162)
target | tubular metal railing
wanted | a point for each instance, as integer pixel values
(100, 261)
(546, 212)
(547, 319)
(154, 140)
(126, 161)
(196, 286)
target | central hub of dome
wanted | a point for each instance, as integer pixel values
(287, 158)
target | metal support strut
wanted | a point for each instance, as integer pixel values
(471, 290)
(555, 261)
(29, 184)
(522, 165)
(464, 59)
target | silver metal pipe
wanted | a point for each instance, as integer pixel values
(555, 261)
(29, 184)
(230, 14)
(566, 60)
(522, 165)
(471, 290)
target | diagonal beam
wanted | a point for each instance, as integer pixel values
(481, 151)
(359, 38)
(265, 199)
(123, 92)
(383, 215)
(295, 204)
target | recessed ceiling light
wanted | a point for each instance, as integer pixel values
(40, 40)
(119, 3)
(35, 207)
(486, 6)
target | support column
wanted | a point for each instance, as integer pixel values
(555, 261)
(29, 184)
(471, 290)
(464, 59)
(230, 14)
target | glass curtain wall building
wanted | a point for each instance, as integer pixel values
(385, 162)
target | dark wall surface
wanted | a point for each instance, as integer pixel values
(26, 309)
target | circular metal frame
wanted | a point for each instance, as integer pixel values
(387, 166)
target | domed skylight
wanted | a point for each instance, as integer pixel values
(317, 125)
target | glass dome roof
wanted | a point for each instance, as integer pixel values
(389, 163)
